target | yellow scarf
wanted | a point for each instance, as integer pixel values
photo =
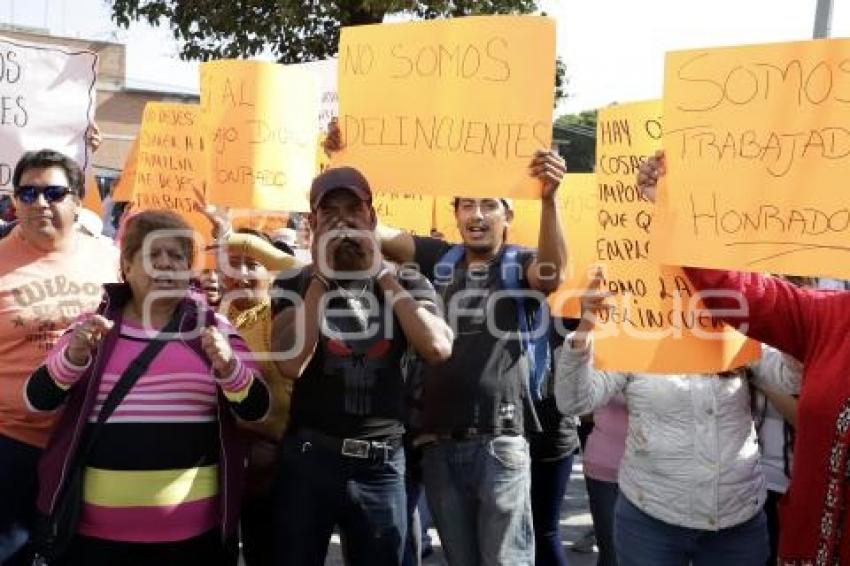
(255, 326)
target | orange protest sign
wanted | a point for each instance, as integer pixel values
(448, 107)
(657, 322)
(444, 219)
(406, 211)
(261, 124)
(170, 164)
(578, 220)
(91, 198)
(758, 154)
(123, 191)
(261, 220)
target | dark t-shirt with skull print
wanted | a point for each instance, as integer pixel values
(353, 386)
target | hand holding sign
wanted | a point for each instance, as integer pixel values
(333, 140)
(93, 137)
(593, 301)
(219, 216)
(549, 168)
(649, 174)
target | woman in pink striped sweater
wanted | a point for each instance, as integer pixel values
(161, 483)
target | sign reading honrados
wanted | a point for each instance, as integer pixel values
(758, 147)
(46, 102)
(454, 107)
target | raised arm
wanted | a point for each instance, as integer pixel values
(396, 245)
(295, 331)
(766, 308)
(545, 273)
(261, 250)
(579, 387)
(417, 313)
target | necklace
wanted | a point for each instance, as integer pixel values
(356, 301)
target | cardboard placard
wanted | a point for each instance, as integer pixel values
(758, 152)
(448, 107)
(657, 322)
(170, 165)
(46, 102)
(261, 124)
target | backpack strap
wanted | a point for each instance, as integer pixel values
(534, 341)
(445, 267)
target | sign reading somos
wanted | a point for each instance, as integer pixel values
(452, 108)
(758, 149)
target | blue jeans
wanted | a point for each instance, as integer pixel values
(548, 486)
(642, 540)
(413, 544)
(316, 490)
(479, 492)
(602, 498)
(18, 490)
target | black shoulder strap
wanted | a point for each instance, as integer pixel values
(126, 382)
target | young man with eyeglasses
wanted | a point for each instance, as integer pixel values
(49, 274)
(478, 407)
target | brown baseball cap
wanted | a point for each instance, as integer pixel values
(339, 178)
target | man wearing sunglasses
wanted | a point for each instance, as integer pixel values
(49, 275)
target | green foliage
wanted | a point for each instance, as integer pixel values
(575, 135)
(294, 30)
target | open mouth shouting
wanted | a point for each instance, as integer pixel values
(477, 232)
(164, 282)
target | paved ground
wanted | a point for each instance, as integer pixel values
(575, 520)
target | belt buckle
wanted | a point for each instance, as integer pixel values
(355, 448)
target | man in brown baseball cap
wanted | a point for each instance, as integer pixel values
(339, 178)
(343, 222)
(341, 338)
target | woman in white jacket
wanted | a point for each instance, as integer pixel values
(691, 487)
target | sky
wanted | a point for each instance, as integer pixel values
(614, 49)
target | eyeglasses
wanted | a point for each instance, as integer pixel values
(28, 194)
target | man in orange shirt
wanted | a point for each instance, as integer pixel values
(49, 274)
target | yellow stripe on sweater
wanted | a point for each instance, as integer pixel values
(153, 488)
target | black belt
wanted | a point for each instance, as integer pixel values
(372, 450)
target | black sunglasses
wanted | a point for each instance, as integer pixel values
(28, 194)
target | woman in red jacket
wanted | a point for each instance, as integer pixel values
(813, 326)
